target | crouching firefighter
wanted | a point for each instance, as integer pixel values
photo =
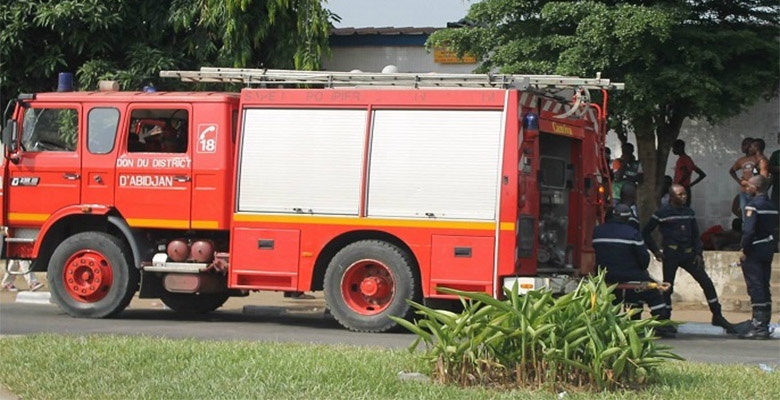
(622, 252)
(759, 241)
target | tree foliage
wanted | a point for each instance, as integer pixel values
(131, 41)
(706, 59)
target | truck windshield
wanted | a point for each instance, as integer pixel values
(50, 129)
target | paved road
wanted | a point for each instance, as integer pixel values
(266, 323)
(298, 322)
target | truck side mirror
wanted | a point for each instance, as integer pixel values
(10, 136)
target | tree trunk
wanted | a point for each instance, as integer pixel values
(662, 129)
(648, 195)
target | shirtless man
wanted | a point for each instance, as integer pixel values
(748, 165)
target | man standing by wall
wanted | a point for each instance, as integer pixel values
(684, 169)
(746, 165)
(762, 163)
(759, 241)
(682, 248)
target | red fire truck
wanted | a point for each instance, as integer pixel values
(374, 188)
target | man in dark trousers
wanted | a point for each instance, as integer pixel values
(759, 241)
(621, 251)
(682, 248)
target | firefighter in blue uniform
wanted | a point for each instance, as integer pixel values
(628, 197)
(759, 241)
(620, 250)
(682, 248)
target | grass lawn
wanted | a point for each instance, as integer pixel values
(122, 367)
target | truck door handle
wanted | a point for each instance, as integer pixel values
(463, 252)
(71, 177)
(181, 178)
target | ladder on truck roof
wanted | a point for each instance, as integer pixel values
(331, 79)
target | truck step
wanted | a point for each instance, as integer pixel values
(19, 240)
(181, 268)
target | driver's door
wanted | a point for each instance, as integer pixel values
(47, 176)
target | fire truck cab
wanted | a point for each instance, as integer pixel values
(375, 188)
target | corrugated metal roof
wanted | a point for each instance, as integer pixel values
(388, 30)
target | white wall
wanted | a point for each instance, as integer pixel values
(716, 148)
(727, 279)
(374, 58)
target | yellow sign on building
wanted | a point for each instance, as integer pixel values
(444, 56)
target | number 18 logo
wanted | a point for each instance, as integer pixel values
(207, 138)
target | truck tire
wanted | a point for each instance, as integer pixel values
(193, 303)
(91, 276)
(369, 281)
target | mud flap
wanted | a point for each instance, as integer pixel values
(151, 286)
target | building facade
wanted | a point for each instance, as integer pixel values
(713, 148)
(372, 49)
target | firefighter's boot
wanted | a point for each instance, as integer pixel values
(666, 331)
(719, 320)
(760, 328)
(665, 314)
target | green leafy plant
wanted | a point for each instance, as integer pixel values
(579, 340)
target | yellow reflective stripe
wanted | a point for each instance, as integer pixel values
(158, 223)
(205, 225)
(403, 223)
(28, 217)
(300, 219)
(134, 222)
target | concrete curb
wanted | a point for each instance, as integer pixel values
(705, 329)
(700, 328)
(34, 298)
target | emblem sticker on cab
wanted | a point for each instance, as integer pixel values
(25, 181)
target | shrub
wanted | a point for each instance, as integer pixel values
(578, 340)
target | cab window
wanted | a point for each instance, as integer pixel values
(101, 130)
(158, 131)
(50, 129)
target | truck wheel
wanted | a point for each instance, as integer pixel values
(193, 303)
(90, 275)
(369, 281)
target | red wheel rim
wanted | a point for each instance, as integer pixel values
(368, 287)
(87, 276)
